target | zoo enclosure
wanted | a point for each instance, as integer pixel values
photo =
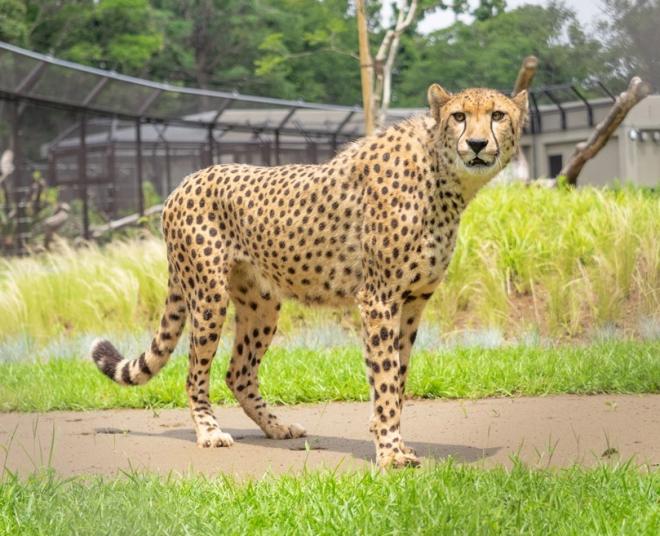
(105, 140)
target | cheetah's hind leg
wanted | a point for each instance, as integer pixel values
(257, 311)
(208, 315)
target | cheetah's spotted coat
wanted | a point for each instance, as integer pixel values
(375, 226)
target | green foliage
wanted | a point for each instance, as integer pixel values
(487, 9)
(116, 34)
(210, 43)
(122, 35)
(308, 48)
(633, 40)
(312, 53)
(150, 195)
(488, 53)
(292, 376)
(13, 27)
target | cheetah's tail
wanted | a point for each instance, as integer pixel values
(140, 370)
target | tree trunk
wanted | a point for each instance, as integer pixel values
(383, 62)
(366, 68)
(585, 151)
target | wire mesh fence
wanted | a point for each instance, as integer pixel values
(90, 147)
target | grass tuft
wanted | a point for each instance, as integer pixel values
(443, 499)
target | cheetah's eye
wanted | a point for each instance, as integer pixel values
(458, 116)
(497, 115)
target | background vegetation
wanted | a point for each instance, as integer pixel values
(307, 48)
(529, 262)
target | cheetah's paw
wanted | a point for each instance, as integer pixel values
(286, 432)
(214, 438)
(407, 450)
(398, 459)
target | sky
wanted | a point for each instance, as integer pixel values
(586, 11)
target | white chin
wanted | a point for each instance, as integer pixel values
(479, 170)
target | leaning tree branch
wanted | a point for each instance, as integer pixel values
(525, 74)
(585, 151)
(519, 168)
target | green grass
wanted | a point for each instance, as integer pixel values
(443, 499)
(294, 376)
(557, 262)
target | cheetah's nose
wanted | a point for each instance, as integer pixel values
(476, 145)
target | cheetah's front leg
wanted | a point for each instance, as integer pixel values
(381, 325)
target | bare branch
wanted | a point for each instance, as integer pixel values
(385, 45)
(387, 81)
(6, 165)
(409, 17)
(384, 59)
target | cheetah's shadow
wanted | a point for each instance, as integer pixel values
(358, 448)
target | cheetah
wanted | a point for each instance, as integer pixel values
(375, 226)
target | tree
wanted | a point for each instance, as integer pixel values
(13, 27)
(384, 59)
(487, 9)
(308, 51)
(377, 70)
(488, 52)
(122, 35)
(631, 33)
(210, 43)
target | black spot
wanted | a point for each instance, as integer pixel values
(413, 336)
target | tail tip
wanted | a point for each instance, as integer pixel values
(106, 356)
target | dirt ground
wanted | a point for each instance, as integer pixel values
(552, 431)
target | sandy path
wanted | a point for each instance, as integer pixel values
(546, 431)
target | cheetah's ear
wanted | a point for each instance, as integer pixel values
(438, 97)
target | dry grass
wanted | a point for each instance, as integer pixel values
(555, 263)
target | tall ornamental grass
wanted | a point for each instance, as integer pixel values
(559, 263)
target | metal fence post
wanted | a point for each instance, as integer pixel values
(138, 154)
(211, 141)
(278, 148)
(21, 189)
(82, 173)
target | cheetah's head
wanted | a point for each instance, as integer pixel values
(479, 129)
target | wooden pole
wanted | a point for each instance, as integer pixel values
(366, 68)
